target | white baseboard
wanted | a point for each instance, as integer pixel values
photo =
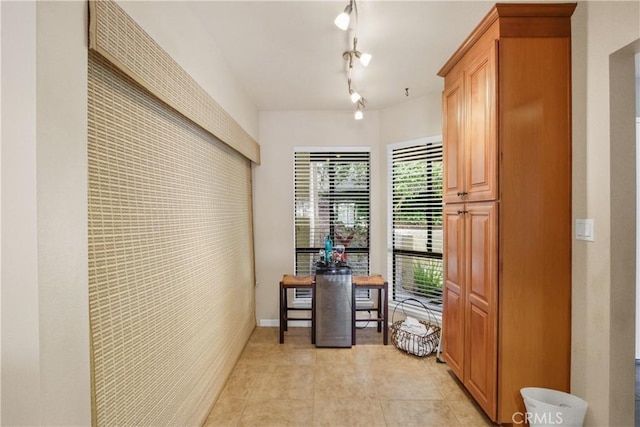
(275, 323)
(269, 323)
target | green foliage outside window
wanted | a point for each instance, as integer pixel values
(417, 180)
(428, 276)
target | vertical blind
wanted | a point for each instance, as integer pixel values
(416, 187)
(331, 198)
(171, 279)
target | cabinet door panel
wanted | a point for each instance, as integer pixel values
(480, 179)
(480, 240)
(453, 311)
(453, 331)
(453, 147)
(481, 304)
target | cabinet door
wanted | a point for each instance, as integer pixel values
(481, 299)
(453, 311)
(453, 146)
(480, 179)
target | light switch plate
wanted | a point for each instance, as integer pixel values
(584, 230)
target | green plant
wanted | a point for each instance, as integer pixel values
(428, 276)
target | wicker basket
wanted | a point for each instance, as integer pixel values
(412, 343)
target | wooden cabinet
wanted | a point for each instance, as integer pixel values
(470, 298)
(507, 215)
(470, 131)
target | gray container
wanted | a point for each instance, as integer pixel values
(332, 306)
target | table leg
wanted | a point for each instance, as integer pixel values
(385, 309)
(313, 313)
(380, 309)
(285, 313)
(282, 317)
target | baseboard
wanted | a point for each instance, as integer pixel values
(269, 323)
(275, 323)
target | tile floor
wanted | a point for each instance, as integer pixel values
(297, 384)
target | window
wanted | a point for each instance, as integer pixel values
(331, 198)
(415, 217)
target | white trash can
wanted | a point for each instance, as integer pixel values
(546, 407)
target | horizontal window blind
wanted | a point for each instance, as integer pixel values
(331, 198)
(416, 188)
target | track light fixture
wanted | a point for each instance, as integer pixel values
(360, 107)
(355, 96)
(364, 58)
(342, 20)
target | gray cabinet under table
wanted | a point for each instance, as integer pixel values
(332, 306)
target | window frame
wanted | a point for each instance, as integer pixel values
(408, 308)
(300, 298)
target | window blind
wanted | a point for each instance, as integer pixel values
(416, 196)
(117, 37)
(171, 277)
(331, 198)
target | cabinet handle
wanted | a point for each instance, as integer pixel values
(462, 193)
(462, 212)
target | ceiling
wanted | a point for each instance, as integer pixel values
(287, 55)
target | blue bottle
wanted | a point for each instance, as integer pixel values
(328, 249)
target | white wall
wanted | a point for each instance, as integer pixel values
(413, 119)
(637, 71)
(45, 328)
(601, 320)
(20, 317)
(0, 222)
(637, 228)
(63, 282)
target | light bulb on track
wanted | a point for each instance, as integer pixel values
(342, 20)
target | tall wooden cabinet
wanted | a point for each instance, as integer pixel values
(507, 215)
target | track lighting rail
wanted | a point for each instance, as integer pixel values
(342, 21)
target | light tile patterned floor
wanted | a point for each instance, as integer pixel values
(297, 384)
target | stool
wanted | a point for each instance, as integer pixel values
(371, 282)
(293, 282)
